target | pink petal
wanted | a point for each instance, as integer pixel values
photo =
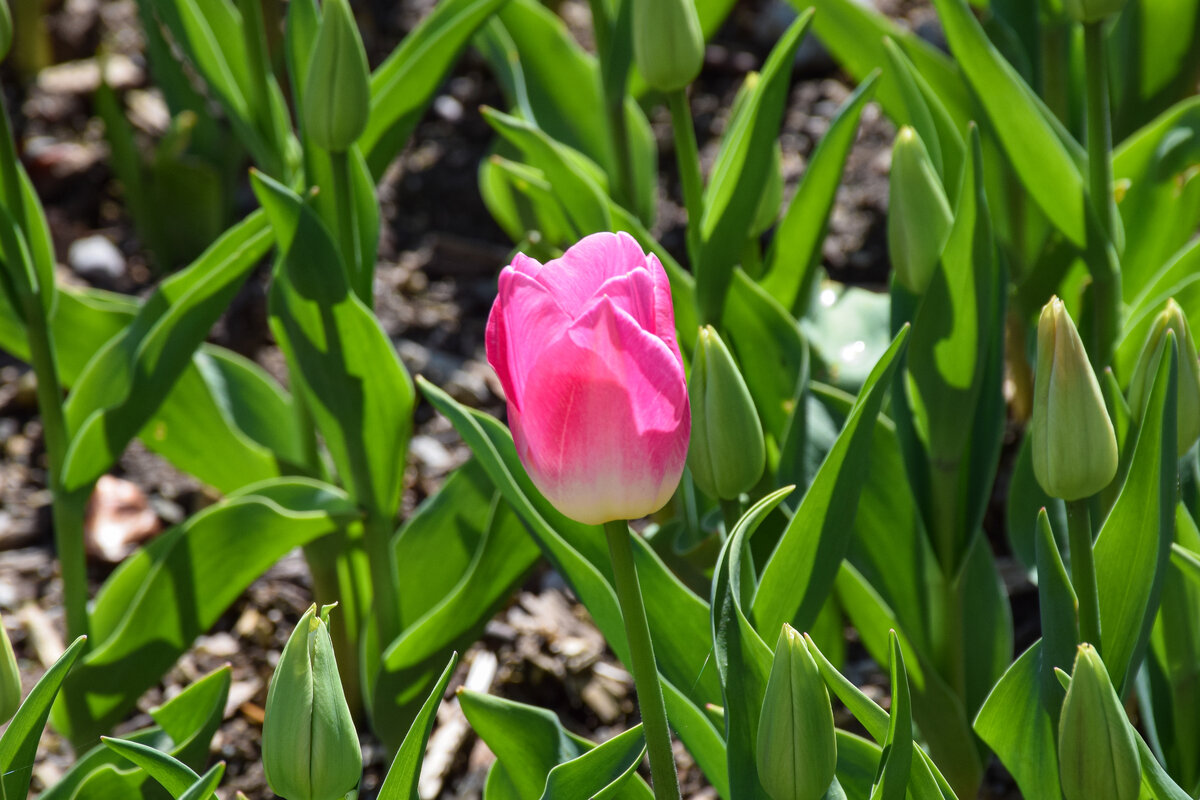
(587, 264)
(603, 426)
(664, 311)
(524, 317)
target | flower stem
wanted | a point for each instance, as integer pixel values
(359, 272)
(687, 155)
(1083, 571)
(1106, 275)
(641, 657)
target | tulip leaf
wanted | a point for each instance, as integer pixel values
(404, 84)
(795, 251)
(175, 776)
(743, 659)
(206, 784)
(1160, 207)
(128, 379)
(894, 767)
(1179, 279)
(601, 772)
(402, 775)
(1155, 52)
(359, 393)
(679, 619)
(740, 172)
(530, 743)
(165, 595)
(1046, 165)
(19, 742)
(1155, 778)
(801, 570)
(1134, 544)
(1025, 498)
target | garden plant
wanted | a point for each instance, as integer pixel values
(744, 471)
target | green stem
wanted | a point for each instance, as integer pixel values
(377, 541)
(1083, 571)
(360, 273)
(687, 155)
(1106, 275)
(1056, 41)
(9, 173)
(949, 638)
(731, 511)
(642, 665)
(254, 36)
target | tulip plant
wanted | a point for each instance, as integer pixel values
(727, 457)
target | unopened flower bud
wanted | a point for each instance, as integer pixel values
(797, 748)
(337, 89)
(726, 454)
(919, 214)
(1173, 319)
(10, 675)
(1073, 443)
(668, 45)
(310, 747)
(1092, 10)
(1097, 754)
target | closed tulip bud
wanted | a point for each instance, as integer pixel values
(1092, 10)
(1173, 319)
(309, 744)
(1097, 752)
(726, 454)
(797, 747)
(919, 216)
(668, 45)
(337, 89)
(10, 676)
(1072, 439)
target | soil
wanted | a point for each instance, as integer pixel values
(439, 255)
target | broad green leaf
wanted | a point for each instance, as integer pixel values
(743, 659)
(740, 171)
(1155, 52)
(795, 251)
(1025, 498)
(19, 742)
(521, 200)
(897, 745)
(1134, 544)
(175, 776)
(360, 395)
(800, 573)
(1155, 778)
(402, 775)
(174, 589)
(128, 379)
(364, 212)
(1179, 278)
(1019, 119)
(206, 784)
(601, 772)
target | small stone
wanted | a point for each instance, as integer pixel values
(448, 108)
(432, 453)
(97, 259)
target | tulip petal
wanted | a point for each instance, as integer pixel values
(525, 316)
(604, 423)
(575, 278)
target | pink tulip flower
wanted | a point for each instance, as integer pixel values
(585, 349)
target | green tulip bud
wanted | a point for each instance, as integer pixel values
(337, 89)
(1173, 319)
(309, 744)
(1097, 752)
(668, 45)
(797, 747)
(1073, 443)
(1092, 10)
(919, 215)
(726, 454)
(10, 675)
(6, 29)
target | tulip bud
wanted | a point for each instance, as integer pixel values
(1073, 443)
(1097, 754)
(1092, 10)
(797, 748)
(337, 89)
(6, 29)
(309, 744)
(10, 675)
(726, 453)
(1171, 318)
(919, 216)
(668, 45)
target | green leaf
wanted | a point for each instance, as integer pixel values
(740, 171)
(795, 251)
(174, 589)
(894, 767)
(206, 784)
(601, 772)
(743, 658)
(1025, 498)
(1179, 278)
(1019, 120)
(19, 742)
(128, 379)
(401, 780)
(1134, 544)
(1155, 56)
(800, 572)
(360, 395)
(175, 776)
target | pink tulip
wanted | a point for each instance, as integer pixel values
(597, 397)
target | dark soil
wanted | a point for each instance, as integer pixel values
(439, 255)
